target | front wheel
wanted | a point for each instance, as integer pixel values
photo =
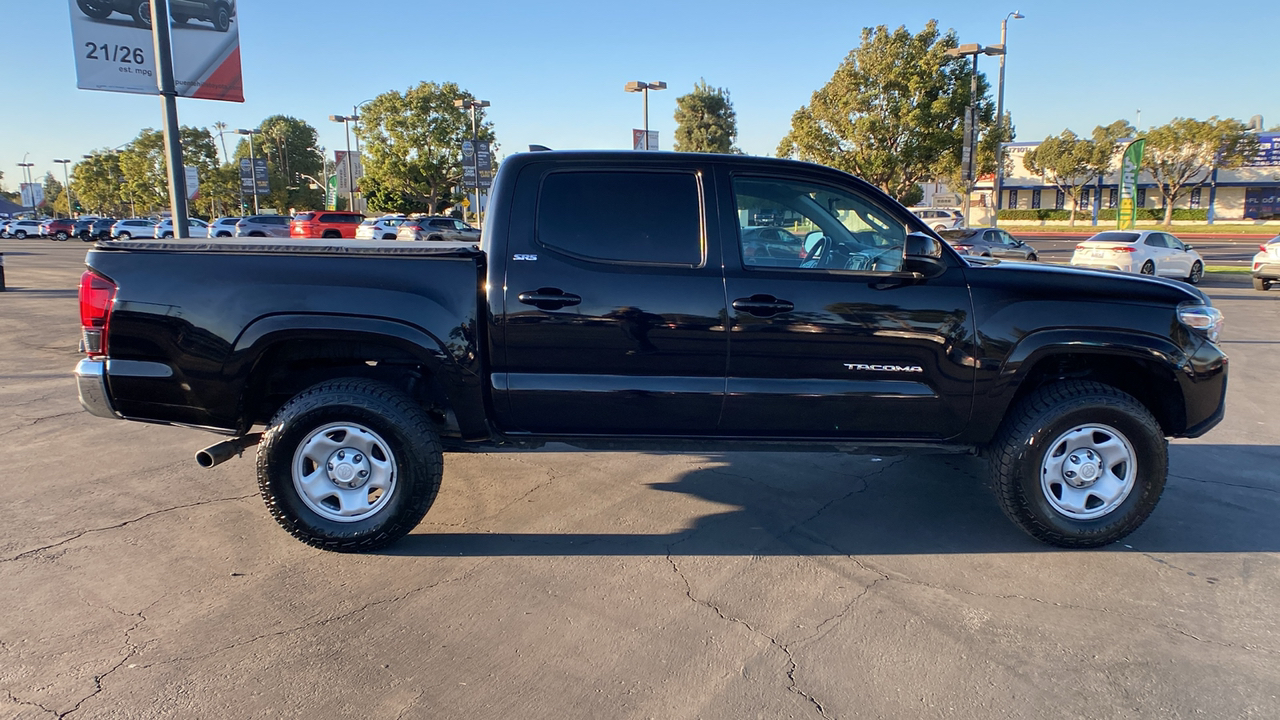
(1148, 268)
(350, 465)
(1079, 464)
(61, 235)
(96, 9)
(1197, 273)
(1033, 258)
(222, 18)
(1261, 284)
(141, 12)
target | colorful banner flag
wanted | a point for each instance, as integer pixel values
(1130, 167)
(331, 194)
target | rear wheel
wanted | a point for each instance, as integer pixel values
(124, 235)
(435, 238)
(1261, 284)
(1079, 464)
(21, 234)
(167, 235)
(1148, 268)
(1197, 273)
(331, 234)
(61, 235)
(350, 465)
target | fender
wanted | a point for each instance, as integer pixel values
(995, 390)
(455, 365)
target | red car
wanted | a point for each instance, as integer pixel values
(325, 224)
(60, 228)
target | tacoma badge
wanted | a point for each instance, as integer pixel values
(885, 368)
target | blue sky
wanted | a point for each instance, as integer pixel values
(554, 71)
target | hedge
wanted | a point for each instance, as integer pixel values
(1157, 214)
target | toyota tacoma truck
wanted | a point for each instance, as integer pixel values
(625, 301)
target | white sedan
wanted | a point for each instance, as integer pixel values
(1148, 252)
(197, 228)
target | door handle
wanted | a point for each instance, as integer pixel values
(763, 305)
(548, 298)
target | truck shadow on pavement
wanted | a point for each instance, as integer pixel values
(1219, 498)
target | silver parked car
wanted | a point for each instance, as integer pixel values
(276, 226)
(436, 229)
(939, 218)
(223, 227)
(988, 242)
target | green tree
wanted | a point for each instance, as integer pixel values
(413, 147)
(97, 183)
(1181, 155)
(893, 112)
(143, 167)
(705, 121)
(1064, 161)
(52, 192)
(291, 148)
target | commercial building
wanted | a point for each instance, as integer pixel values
(1251, 192)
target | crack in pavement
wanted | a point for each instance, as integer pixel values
(52, 417)
(318, 623)
(128, 642)
(792, 666)
(15, 699)
(1219, 482)
(117, 526)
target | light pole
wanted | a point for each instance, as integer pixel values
(471, 105)
(999, 184)
(346, 121)
(253, 167)
(968, 158)
(355, 112)
(221, 127)
(645, 87)
(71, 205)
(26, 176)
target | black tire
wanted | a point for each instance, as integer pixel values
(1261, 284)
(61, 235)
(166, 235)
(141, 12)
(331, 235)
(257, 233)
(124, 235)
(21, 234)
(222, 18)
(435, 238)
(401, 424)
(98, 10)
(86, 237)
(1039, 421)
(224, 234)
(1197, 273)
(1148, 268)
(388, 236)
(1033, 258)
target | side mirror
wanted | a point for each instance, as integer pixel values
(1186, 247)
(923, 254)
(811, 239)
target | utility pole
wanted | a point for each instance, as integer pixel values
(999, 184)
(169, 101)
(71, 200)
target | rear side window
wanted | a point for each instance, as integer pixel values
(652, 218)
(305, 217)
(339, 218)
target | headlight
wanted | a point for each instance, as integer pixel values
(1203, 319)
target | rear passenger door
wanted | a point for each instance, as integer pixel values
(613, 300)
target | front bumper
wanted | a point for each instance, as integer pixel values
(91, 382)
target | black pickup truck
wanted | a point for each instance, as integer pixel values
(625, 301)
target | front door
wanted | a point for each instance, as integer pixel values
(614, 310)
(832, 340)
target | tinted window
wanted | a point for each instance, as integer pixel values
(836, 229)
(1173, 242)
(442, 224)
(634, 217)
(304, 217)
(1114, 237)
(1154, 240)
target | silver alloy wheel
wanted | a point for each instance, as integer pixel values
(1088, 471)
(344, 472)
(1197, 273)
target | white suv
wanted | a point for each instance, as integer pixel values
(940, 218)
(383, 228)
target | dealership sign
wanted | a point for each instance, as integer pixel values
(115, 52)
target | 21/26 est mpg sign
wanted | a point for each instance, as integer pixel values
(114, 50)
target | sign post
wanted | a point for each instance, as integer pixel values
(642, 141)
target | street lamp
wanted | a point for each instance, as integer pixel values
(644, 87)
(253, 167)
(999, 184)
(26, 175)
(346, 121)
(67, 180)
(970, 115)
(471, 105)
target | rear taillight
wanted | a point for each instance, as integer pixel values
(963, 249)
(1263, 248)
(97, 294)
(1081, 247)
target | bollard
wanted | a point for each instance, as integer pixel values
(1, 272)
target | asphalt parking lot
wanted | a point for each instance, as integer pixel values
(624, 585)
